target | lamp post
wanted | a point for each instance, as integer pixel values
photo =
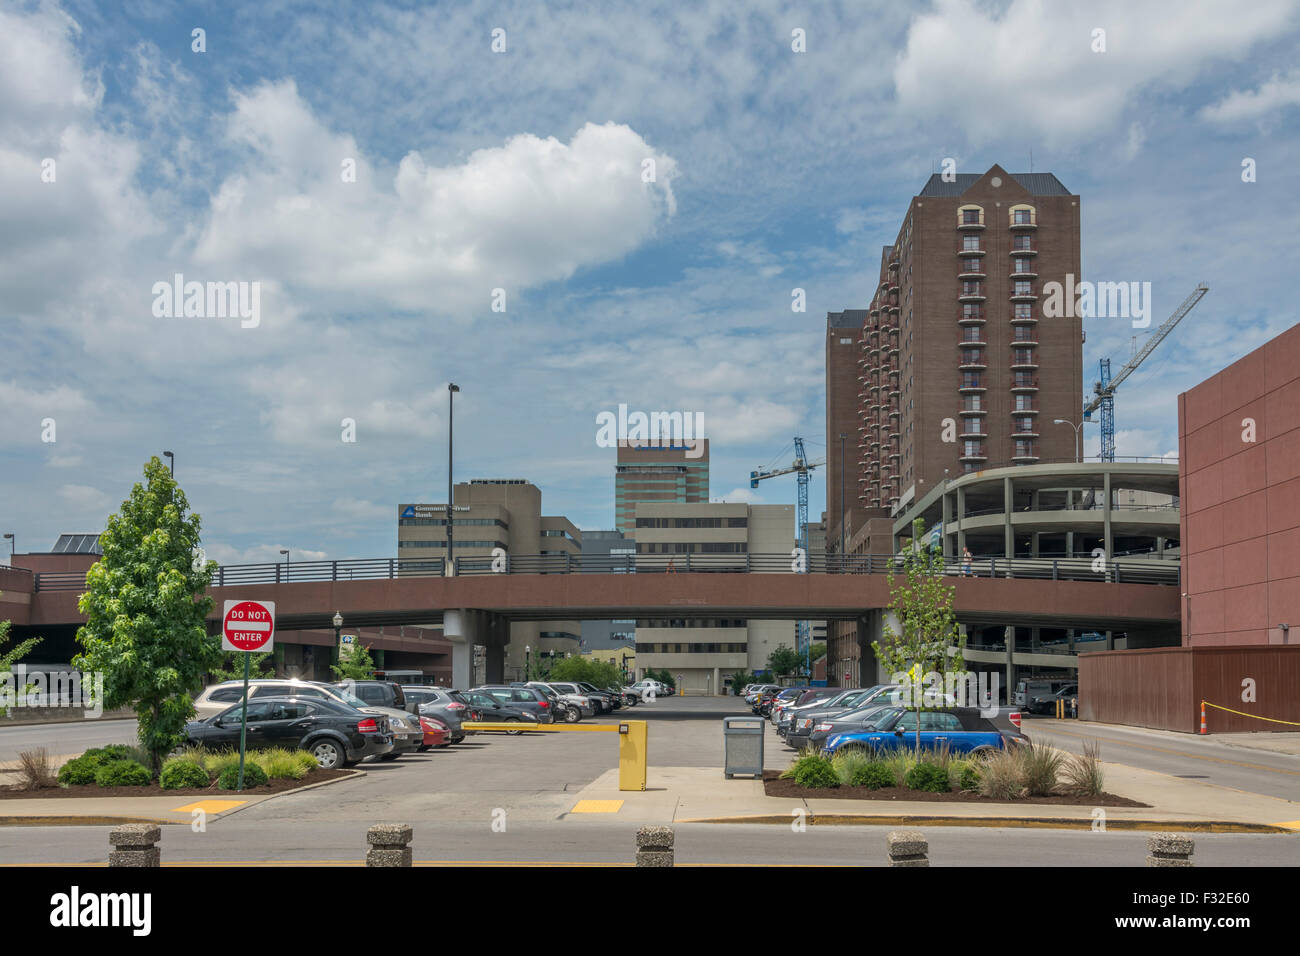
(285, 552)
(452, 389)
(13, 546)
(528, 661)
(1078, 447)
(172, 458)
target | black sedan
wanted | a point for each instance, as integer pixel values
(483, 706)
(335, 734)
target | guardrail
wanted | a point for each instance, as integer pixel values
(1134, 570)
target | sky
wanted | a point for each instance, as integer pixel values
(562, 208)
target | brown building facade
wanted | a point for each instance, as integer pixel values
(959, 368)
(658, 471)
(1239, 455)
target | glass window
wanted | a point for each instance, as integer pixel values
(970, 243)
(227, 695)
(939, 720)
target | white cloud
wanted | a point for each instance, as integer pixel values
(1028, 69)
(433, 238)
(223, 553)
(740, 495)
(1281, 91)
(85, 499)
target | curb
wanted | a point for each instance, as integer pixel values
(102, 820)
(1046, 823)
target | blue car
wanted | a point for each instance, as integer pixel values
(962, 730)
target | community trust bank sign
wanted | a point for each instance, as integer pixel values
(427, 511)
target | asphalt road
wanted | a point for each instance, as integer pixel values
(1181, 755)
(69, 738)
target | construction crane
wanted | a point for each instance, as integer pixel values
(801, 466)
(1104, 390)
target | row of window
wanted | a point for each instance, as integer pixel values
(692, 522)
(690, 622)
(458, 543)
(691, 648)
(456, 523)
(693, 547)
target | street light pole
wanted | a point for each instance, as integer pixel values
(452, 389)
(13, 547)
(1078, 446)
(285, 552)
(172, 458)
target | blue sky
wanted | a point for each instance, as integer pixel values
(521, 170)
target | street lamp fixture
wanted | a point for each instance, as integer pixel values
(13, 546)
(172, 458)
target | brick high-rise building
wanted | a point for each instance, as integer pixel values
(960, 370)
(843, 344)
(656, 470)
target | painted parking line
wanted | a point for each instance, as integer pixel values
(597, 806)
(210, 806)
(1176, 753)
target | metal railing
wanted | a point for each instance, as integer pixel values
(1140, 569)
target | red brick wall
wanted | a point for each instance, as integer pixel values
(1241, 499)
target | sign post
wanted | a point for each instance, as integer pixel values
(247, 627)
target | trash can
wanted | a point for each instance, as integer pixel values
(742, 738)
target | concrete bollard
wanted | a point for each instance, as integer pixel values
(133, 845)
(1169, 849)
(654, 846)
(908, 848)
(389, 844)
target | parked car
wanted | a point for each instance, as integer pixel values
(609, 701)
(376, 693)
(786, 697)
(646, 689)
(1028, 689)
(761, 696)
(336, 734)
(483, 706)
(525, 698)
(962, 730)
(570, 708)
(436, 733)
(804, 701)
(1046, 703)
(407, 736)
(447, 705)
(803, 719)
(573, 697)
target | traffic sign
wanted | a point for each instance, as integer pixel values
(248, 626)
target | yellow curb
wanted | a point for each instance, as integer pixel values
(210, 806)
(1057, 823)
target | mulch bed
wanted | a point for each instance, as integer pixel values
(153, 790)
(774, 786)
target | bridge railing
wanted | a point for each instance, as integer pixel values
(1130, 569)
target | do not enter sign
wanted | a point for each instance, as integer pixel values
(248, 626)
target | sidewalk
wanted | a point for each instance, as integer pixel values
(703, 795)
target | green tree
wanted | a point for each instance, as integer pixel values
(145, 607)
(232, 666)
(921, 601)
(358, 665)
(596, 673)
(784, 660)
(817, 651)
(7, 660)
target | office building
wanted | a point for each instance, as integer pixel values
(703, 652)
(657, 471)
(602, 550)
(497, 513)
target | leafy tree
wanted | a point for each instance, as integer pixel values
(597, 673)
(145, 607)
(740, 679)
(7, 660)
(358, 665)
(232, 666)
(922, 603)
(663, 677)
(817, 651)
(784, 660)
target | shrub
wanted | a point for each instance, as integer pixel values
(34, 771)
(873, 775)
(1042, 766)
(1082, 772)
(898, 763)
(120, 752)
(282, 764)
(217, 762)
(182, 774)
(847, 763)
(254, 775)
(123, 773)
(814, 770)
(78, 771)
(968, 778)
(1003, 775)
(927, 776)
